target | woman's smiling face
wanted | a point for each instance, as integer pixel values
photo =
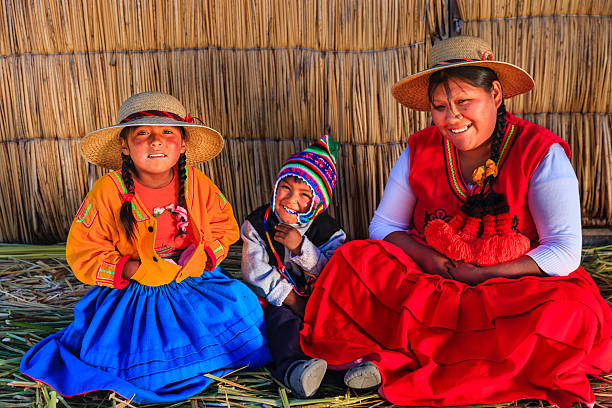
(465, 114)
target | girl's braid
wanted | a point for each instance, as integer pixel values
(125, 214)
(182, 176)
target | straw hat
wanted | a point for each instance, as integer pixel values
(102, 146)
(454, 52)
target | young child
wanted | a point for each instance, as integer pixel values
(286, 245)
(150, 237)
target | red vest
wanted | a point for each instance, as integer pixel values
(436, 180)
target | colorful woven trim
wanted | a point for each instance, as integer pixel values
(222, 201)
(109, 274)
(140, 214)
(218, 250)
(453, 171)
(168, 252)
(86, 213)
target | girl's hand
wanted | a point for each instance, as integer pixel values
(129, 269)
(468, 273)
(289, 237)
(296, 303)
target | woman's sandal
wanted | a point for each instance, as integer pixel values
(304, 377)
(363, 375)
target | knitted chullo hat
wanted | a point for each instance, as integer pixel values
(316, 166)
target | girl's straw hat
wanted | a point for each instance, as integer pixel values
(454, 52)
(102, 146)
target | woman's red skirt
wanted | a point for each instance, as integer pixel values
(441, 342)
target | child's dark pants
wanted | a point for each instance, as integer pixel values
(283, 338)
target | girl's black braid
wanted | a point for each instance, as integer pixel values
(125, 214)
(182, 176)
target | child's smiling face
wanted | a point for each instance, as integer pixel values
(155, 150)
(292, 196)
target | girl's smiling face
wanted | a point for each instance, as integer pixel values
(292, 196)
(155, 150)
(465, 114)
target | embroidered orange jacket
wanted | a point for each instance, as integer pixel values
(97, 246)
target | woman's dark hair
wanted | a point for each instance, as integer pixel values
(126, 216)
(480, 77)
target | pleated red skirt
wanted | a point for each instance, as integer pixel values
(439, 342)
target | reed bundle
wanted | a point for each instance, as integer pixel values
(56, 26)
(567, 55)
(273, 79)
(38, 292)
(492, 9)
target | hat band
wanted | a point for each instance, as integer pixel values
(486, 56)
(159, 114)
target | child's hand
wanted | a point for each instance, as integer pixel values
(129, 269)
(296, 303)
(289, 237)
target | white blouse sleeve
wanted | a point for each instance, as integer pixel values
(394, 213)
(554, 203)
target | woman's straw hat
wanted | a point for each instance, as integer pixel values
(454, 52)
(102, 146)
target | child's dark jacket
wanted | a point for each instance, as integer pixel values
(322, 236)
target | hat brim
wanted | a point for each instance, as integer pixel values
(412, 90)
(103, 148)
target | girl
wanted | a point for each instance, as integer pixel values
(151, 237)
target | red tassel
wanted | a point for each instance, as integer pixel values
(487, 244)
(512, 245)
(462, 249)
(439, 234)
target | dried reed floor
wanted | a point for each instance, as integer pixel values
(38, 292)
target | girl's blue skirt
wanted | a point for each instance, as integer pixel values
(153, 344)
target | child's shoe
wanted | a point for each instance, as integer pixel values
(363, 375)
(304, 377)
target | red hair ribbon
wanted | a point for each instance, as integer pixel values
(191, 119)
(487, 55)
(127, 197)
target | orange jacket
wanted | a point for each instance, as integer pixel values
(97, 246)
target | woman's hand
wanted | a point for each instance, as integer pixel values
(435, 263)
(468, 273)
(289, 237)
(129, 269)
(428, 259)
(296, 303)
(473, 275)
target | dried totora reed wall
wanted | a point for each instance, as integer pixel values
(272, 77)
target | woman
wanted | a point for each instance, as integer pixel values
(475, 294)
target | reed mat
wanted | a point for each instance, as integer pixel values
(37, 295)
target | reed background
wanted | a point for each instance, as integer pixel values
(273, 76)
